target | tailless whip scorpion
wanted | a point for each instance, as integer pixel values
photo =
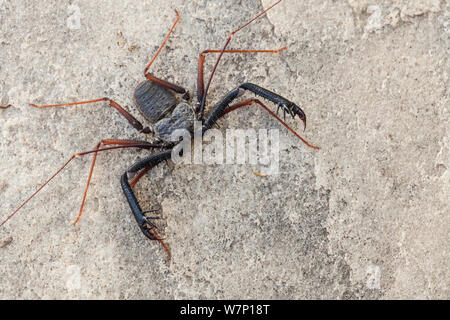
(166, 106)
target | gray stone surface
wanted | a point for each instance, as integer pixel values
(367, 216)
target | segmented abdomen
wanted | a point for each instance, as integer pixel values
(154, 101)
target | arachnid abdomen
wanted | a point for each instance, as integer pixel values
(159, 105)
(154, 101)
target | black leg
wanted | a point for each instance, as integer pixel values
(218, 111)
(109, 142)
(221, 107)
(136, 171)
(285, 104)
(147, 163)
(203, 101)
(144, 223)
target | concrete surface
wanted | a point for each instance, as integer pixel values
(365, 217)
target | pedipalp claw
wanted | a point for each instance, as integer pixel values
(292, 113)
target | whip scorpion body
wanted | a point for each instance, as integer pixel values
(166, 107)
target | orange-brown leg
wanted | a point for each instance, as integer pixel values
(140, 168)
(142, 145)
(253, 101)
(132, 120)
(160, 81)
(120, 144)
(109, 142)
(200, 75)
(203, 100)
(201, 61)
(161, 241)
(5, 107)
(164, 42)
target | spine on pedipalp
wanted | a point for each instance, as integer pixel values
(220, 108)
(266, 94)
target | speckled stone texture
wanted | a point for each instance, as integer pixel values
(364, 217)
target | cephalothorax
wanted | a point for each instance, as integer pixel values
(160, 107)
(166, 107)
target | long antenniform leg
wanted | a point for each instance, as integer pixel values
(201, 61)
(160, 81)
(256, 101)
(203, 101)
(120, 144)
(132, 120)
(164, 42)
(288, 107)
(108, 142)
(5, 107)
(77, 155)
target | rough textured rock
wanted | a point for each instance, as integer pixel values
(364, 217)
